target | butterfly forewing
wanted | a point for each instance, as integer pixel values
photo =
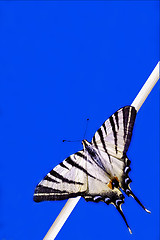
(68, 179)
(115, 134)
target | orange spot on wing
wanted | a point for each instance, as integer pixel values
(110, 184)
(117, 179)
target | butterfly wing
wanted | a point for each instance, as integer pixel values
(115, 134)
(112, 141)
(66, 180)
(99, 180)
(76, 176)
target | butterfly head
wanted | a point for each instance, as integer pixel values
(85, 143)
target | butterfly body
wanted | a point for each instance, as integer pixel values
(96, 157)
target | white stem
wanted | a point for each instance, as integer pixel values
(62, 217)
(147, 87)
(71, 203)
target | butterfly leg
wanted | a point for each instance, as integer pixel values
(130, 193)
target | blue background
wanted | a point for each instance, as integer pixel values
(61, 63)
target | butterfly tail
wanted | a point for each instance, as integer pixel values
(117, 203)
(130, 193)
(122, 214)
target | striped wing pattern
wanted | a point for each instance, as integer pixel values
(113, 139)
(66, 180)
(115, 134)
(78, 175)
(100, 170)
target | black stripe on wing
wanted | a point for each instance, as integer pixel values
(104, 127)
(48, 194)
(102, 138)
(114, 131)
(58, 176)
(100, 132)
(129, 115)
(81, 155)
(117, 119)
(64, 166)
(94, 141)
(40, 189)
(125, 120)
(74, 164)
(50, 179)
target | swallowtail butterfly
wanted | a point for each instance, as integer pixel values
(99, 172)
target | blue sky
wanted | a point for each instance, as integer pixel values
(61, 63)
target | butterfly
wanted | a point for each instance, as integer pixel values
(100, 171)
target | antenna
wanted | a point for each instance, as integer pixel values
(64, 140)
(86, 128)
(71, 140)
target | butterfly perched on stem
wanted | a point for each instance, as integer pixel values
(99, 172)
